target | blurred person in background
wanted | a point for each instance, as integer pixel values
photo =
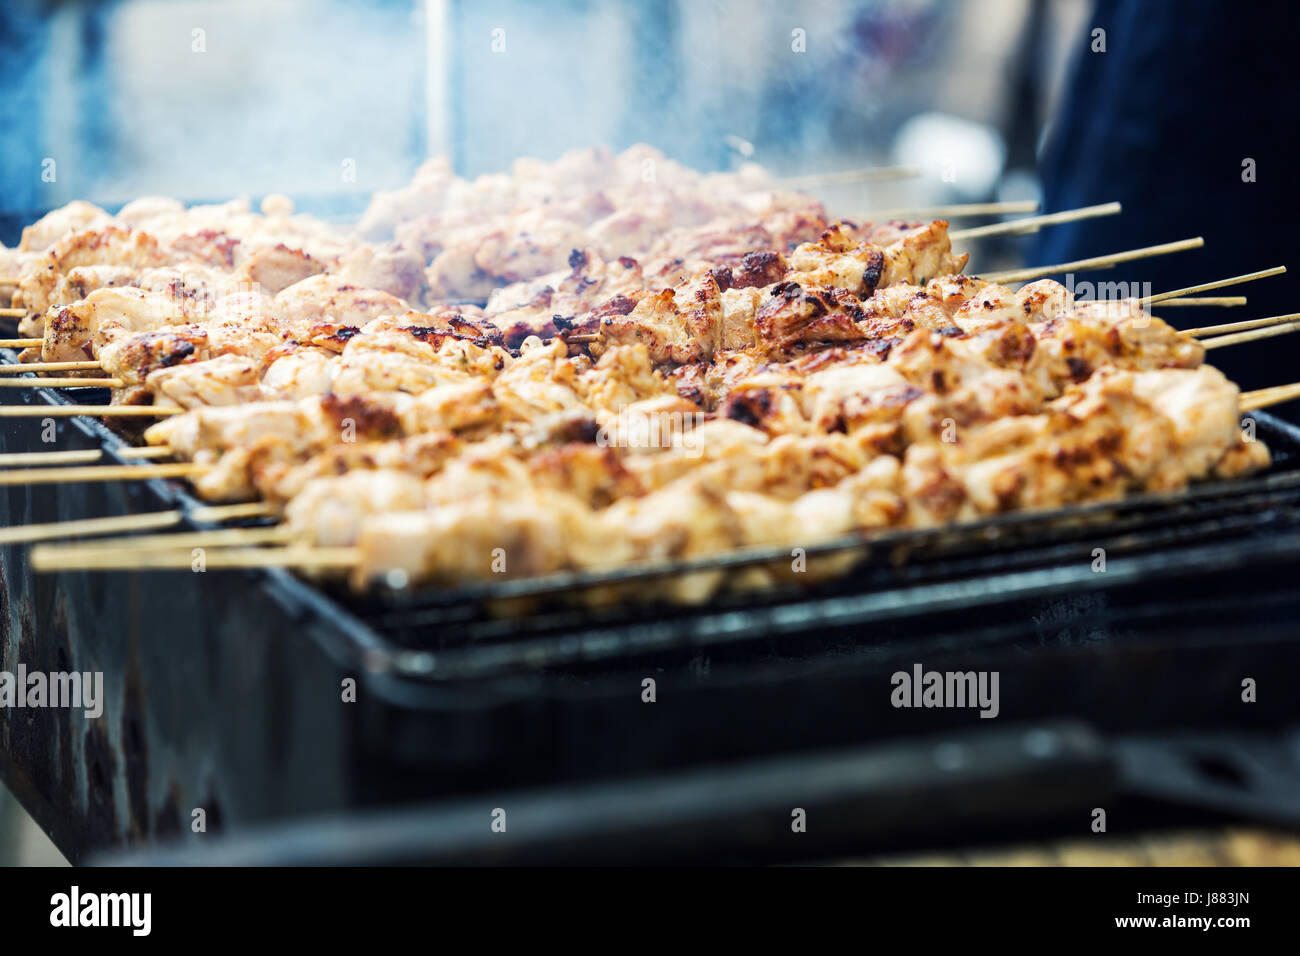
(1184, 116)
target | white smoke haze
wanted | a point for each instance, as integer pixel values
(205, 100)
(329, 101)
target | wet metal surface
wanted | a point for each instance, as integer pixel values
(213, 699)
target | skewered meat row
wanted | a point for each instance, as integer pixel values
(776, 306)
(1040, 343)
(923, 372)
(540, 399)
(1011, 367)
(235, 377)
(738, 259)
(728, 455)
(136, 333)
(132, 356)
(926, 383)
(195, 274)
(248, 322)
(198, 291)
(208, 264)
(468, 390)
(501, 229)
(777, 391)
(1116, 433)
(489, 234)
(587, 507)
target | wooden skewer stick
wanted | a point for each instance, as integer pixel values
(956, 211)
(145, 451)
(120, 524)
(1216, 300)
(93, 411)
(1034, 223)
(13, 313)
(1264, 397)
(10, 280)
(89, 527)
(1081, 265)
(1243, 326)
(224, 537)
(214, 514)
(51, 558)
(59, 476)
(1207, 286)
(79, 457)
(19, 368)
(582, 339)
(15, 382)
(1239, 337)
(21, 343)
(846, 177)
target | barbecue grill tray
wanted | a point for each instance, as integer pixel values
(223, 687)
(1180, 525)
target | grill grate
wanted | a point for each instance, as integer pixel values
(455, 699)
(536, 622)
(1205, 527)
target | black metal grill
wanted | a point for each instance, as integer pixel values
(897, 573)
(226, 683)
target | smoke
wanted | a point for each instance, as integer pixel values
(330, 101)
(205, 100)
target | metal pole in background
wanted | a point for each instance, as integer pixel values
(437, 125)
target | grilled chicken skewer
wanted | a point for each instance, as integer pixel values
(491, 233)
(891, 314)
(835, 256)
(935, 502)
(820, 383)
(905, 386)
(135, 332)
(1117, 433)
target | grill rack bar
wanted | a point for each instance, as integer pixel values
(713, 630)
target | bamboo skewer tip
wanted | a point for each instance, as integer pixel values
(1265, 397)
(1220, 301)
(93, 411)
(1097, 262)
(1035, 223)
(846, 177)
(19, 368)
(1243, 326)
(122, 524)
(89, 527)
(55, 558)
(1217, 284)
(13, 381)
(1284, 328)
(69, 475)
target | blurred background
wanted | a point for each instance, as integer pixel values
(205, 99)
(1069, 100)
(1075, 102)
